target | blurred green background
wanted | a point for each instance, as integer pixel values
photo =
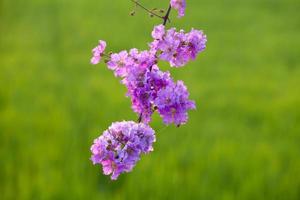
(243, 141)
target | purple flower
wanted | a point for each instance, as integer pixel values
(142, 78)
(195, 42)
(158, 32)
(169, 45)
(177, 48)
(119, 63)
(179, 5)
(173, 103)
(97, 52)
(142, 85)
(119, 147)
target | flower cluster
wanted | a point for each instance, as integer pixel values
(119, 148)
(173, 102)
(150, 89)
(177, 47)
(144, 80)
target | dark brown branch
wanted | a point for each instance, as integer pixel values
(166, 17)
(140, 118)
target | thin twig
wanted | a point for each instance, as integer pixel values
(149, 11)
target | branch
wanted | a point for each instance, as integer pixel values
(166, 17)
(140, 118)
(146, 9)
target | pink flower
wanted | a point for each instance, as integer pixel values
(98, 52)
(179, 5)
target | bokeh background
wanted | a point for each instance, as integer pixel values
(242, 142)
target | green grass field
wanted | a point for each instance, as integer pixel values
(242, 142)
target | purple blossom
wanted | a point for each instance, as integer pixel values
(120, 147)
(123, 62)
(142, 78)
(119, 62)
(158, 32)
(169, 45)
(195, 42)
(177, 48)
(98, 52)
(173, 103)
(179, 5)
(149, 87)
(142, 85)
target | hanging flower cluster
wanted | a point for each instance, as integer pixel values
(150, 90)
(119, 148)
